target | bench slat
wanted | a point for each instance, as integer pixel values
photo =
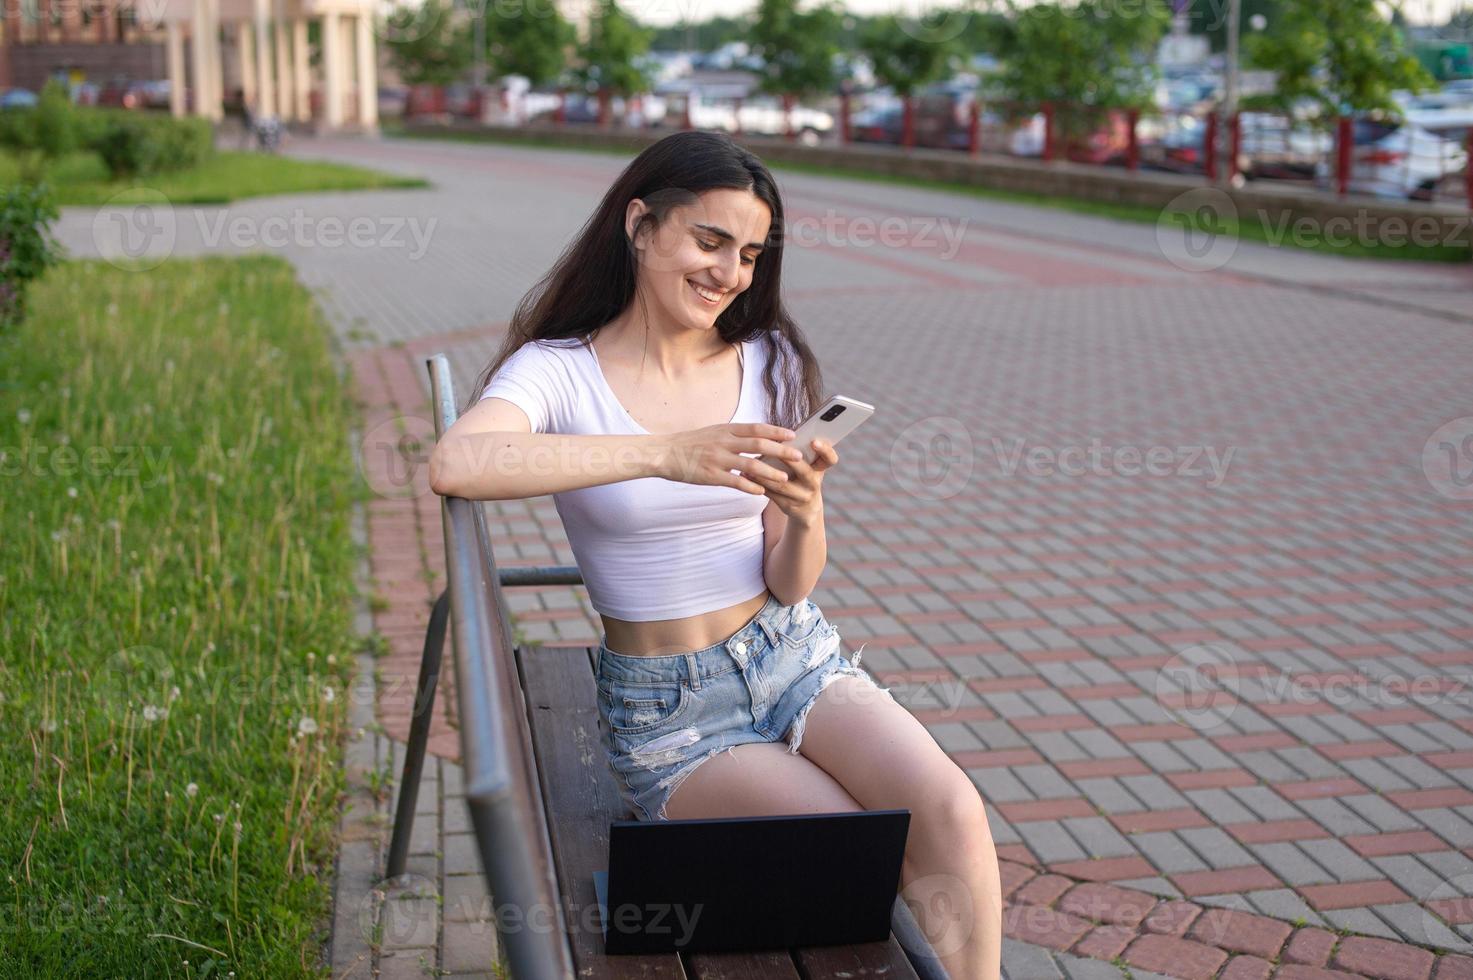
(581, 798)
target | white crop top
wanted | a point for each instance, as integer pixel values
(648, 548)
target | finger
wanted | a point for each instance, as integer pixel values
(777, 433)
(775, 488)
(755, 467)
(769, 448)
(742, 483)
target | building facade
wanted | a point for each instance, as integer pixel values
(257, 48)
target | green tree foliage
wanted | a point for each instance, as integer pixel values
(1340, 55)
(798, 47)
(707, 35)
(527, 37)
(904, 54)
(610, 56)
(426, 45)
(1090, 53)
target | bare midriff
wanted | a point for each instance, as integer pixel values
(665, 637)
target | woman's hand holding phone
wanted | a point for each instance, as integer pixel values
(800, 496)
(709, 455)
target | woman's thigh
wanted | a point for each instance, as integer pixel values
(754, 780)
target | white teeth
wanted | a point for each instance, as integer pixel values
(706, 294)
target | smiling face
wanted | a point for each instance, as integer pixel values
(701, 257)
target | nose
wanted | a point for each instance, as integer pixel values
(727, 270)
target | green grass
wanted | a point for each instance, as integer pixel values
(82, 178)
(175, 599)
(1244, 230)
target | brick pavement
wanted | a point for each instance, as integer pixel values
(1218, 714)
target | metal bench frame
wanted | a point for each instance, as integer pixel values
(502, 782)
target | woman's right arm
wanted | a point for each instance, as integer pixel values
(491, 453)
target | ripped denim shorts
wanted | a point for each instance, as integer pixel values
(662, 716)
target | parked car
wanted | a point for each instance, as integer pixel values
(18, 98)
(392, 99)
(761, 115)
(1403, 158)
(1272, 146)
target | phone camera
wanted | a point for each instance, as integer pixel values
(833, 413)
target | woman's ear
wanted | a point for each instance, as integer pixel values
(632, 215)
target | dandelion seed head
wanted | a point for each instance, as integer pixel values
(192, 790)
(307, 726)
(71, 492)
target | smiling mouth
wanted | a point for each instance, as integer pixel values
(705, 295)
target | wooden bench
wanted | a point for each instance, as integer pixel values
(539, 788)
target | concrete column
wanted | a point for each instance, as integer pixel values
(175, 45)
(285, 97)
(246, 55)
(71, 21)
(301, 70)
(199, 68)
(210, 83)
(349, 47)
(367, 72)
(264, 81)
(332, 70)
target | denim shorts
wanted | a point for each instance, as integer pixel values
(662, 716)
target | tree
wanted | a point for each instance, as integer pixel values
(527, 37)
(426, 45)
(798, 49)
(610, 56)
(905, 57)
(1340, 55)
(1081, 57)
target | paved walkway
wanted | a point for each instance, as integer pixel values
(1167, 559)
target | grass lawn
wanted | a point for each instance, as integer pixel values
(175, 622)
(1244, 230)
(82, 178)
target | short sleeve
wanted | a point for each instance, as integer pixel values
(535, 381)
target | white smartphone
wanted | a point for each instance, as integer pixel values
(837, 417)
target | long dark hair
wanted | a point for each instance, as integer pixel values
(593, 281)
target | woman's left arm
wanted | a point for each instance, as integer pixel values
(796, 549)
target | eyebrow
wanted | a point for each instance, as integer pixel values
(723, 233)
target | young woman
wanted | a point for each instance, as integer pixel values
(639, 381)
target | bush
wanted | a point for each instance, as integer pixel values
(134, 144)
(26, 246)
(54, 125)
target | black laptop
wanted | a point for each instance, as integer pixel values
(751, 883)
